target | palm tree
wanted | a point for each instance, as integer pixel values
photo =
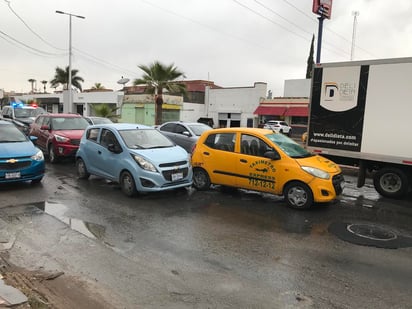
(104, 110)
(44, 82)
(32, 81)
(98, 86)
(158, 77)
(62, 77)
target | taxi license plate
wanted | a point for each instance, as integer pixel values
(177, 176)
(12, 175)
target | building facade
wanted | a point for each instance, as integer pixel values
(235, 106)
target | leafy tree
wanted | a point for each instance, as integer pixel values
(159, 77)
(98, 86)
(32, 81)
(311, 62)
(61, 77)
(104, 110)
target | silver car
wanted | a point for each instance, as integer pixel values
(184, 134)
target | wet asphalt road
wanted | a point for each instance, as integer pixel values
(215, 249)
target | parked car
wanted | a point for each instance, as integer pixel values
(58, 135)
(20, 160)
(21, 115)
(184, 134)
(138, 157)
(97, 120)
(278, 126)
(263, 160)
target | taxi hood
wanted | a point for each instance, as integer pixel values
(320, 162)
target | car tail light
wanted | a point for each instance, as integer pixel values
(193, 148)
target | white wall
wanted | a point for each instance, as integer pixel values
(191, 112)
(238, 100)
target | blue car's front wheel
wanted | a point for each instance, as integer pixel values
(127, 184)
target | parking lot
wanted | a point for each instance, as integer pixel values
(219, 248)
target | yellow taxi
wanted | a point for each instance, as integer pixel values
(263, 160)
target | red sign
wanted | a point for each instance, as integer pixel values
(322, 8)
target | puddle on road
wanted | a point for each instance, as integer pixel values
(57, 210)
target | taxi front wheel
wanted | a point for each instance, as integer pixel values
(298, 195)
(201, 180)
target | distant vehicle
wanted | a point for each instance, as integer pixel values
(97, 120)
(266, 161)
(21, 115)
(138, 157)
(184, 134)
(278, 126)
(58, 135)
(20, 159)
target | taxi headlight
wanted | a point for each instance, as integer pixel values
(316, 172)
(144, 164)
(38, 156)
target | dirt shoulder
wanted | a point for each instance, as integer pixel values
(50, 290)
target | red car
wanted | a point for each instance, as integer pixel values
(58, 135)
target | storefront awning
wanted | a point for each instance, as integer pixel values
(270, 110)
(297, 111)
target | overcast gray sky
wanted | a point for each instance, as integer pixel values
(231, 42)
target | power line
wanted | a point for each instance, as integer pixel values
(40, 52)
(102, 62)
(327, 28)
(287, 29)
(30, 29)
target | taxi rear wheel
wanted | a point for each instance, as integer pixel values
(298, 195)
(201, 180)
(127, 184)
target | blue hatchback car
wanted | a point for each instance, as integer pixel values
(20, 160)
(138, 157)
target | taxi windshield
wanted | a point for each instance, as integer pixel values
(289, 146)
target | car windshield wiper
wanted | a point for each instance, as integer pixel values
(14, 141)
(158, 147)
(302, 156)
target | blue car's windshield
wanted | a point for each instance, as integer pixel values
(10, 134)
(145, 139)
(289, 146)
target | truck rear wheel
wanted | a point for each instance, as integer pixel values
(391, 182)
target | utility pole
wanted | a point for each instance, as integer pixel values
(355, 21)
(70, 105)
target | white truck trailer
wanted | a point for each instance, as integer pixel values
(361, 114)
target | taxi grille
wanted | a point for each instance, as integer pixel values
(336, 181)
